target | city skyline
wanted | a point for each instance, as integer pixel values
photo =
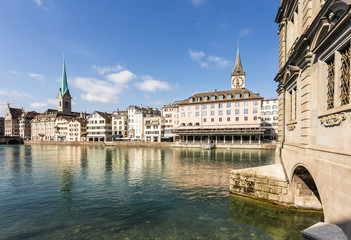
(150, 54)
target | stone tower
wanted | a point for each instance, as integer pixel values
(238, 74)
(64, 97)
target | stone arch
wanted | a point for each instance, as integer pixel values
(304, 189)
(13, 141)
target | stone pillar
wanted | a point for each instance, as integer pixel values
(250, 139)
(186, 138)
(241, 139)
(224, 139)
(232, 139)
(216, 139)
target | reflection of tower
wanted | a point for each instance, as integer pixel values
(64, 97)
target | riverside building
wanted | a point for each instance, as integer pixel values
(222, 117)
(99, 127)
(269, 118)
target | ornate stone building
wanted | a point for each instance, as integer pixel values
(12, 121)
(315, 105)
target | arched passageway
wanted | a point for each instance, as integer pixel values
(305, 189)
(13, 141)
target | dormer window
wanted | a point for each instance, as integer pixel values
(191, 99)
(246, 95)
(221, 97)
(237, 95)
(198, 99)
(229, 96)
(206, 98)
(213, 97)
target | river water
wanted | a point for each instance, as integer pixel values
(77, 192)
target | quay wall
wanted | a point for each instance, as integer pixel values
(155, 144)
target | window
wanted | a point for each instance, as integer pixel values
(246, 111)
(237, 95)
(345, 76)
(204, 106)
(190, 114)
(267, 107)
(246, 118)
(212, 113)
(213, 97)
(220, 105)
(191, 99)
(229, 105)
(189, 108)
(255, 103)
(205, 114)
(206, 98)
(220, 112)
(198, 99)
(220, 119)
(183, 108)
(246, 95)
(197, 114)
(183, 114)
(229, 112)
(229, 96)
(212, 119)
(330, 87)
(237, 112)
(221, 97)
(237, 119)
(246, 104)
(228, 119)
(274, 107)
(255, 118)
(255, 111)
(237, 104)
(197, 107)
(212, 106)
(204, 119)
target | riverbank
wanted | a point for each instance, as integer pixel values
(155, 144)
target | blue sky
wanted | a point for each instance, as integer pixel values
(121, 53)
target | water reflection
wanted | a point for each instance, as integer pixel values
(129, 192)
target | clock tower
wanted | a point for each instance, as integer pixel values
(238, 74)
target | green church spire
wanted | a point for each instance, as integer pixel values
(64, 86)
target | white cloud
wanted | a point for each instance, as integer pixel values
(245, 32)
(197, 2)
(38, 105)
(151, 85)
(38, 2)
(209, 61)
(121, 78)
(37, 76)
(52, 101)
(195, 55)
(96, 90)
(107, 69)
(13, 93)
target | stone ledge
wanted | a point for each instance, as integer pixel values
(323, 231)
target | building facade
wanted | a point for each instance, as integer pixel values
(269, 119)
(314, 103)
(168, 114)
(43, 126)
(228, 117)
(2, 126)
(99, 127)
(153, 128)
(77, 130)
(25, 124)
(12, 117)
(119, 124)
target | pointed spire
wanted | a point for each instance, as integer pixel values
(238, 68)
(64, 86)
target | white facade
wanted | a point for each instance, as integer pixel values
(135, 122)
(153, 128)
(168, 115)
(99, 127)
(61, 129)
(76, 130)
(120, 124)
(269, 118)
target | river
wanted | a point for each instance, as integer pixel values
(78, 192)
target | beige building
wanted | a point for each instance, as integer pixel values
(77, 130)
(43, 126)
(2, 126)
(12, 117)
(153, 128)
(119, 125)
(25, 124)
(169, 114)
(226, 117)
(315, 105)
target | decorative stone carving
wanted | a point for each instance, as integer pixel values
(291, 126)
(333, 120)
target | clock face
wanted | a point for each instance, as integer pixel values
(238, 82)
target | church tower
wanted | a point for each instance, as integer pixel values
(238, 74)
(64, 97)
